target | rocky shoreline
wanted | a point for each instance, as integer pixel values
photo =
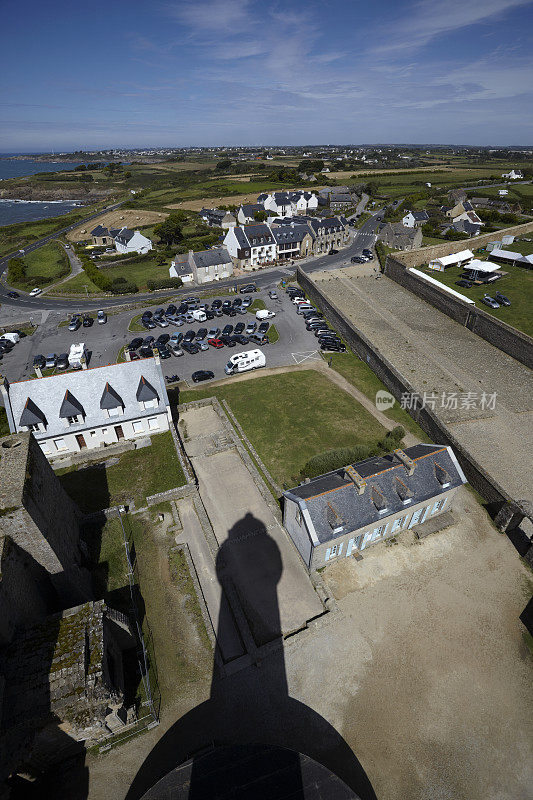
(80, 194)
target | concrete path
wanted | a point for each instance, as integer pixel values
(75, 268)
(224, 626)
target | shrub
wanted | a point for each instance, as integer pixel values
(335, 459)
(164, 283)
(123, 286)
(16, 270)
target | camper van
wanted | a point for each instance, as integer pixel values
(242, 362)
(77, 355)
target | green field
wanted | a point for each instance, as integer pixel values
(293, 416)
(138, 474)
(138, 272)
(517, 285)
(79, 284)
(13, 237)
(49, 262)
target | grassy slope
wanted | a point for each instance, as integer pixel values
(48, 261)
(77, 285)
(138, 474)
(293, 416)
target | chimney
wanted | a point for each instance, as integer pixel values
(358, 480)
(408, 463)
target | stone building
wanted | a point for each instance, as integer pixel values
(397, 236)
(341, 513)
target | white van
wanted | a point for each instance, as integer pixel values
(264, 314)
(11, 337)
(304, 307)
(76, 354)
(242, 362)
(199, 315)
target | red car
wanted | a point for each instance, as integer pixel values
(215, 343)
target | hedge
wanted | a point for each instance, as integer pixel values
(164, 283)
(331, 460)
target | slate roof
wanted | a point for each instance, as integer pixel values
(99, 231)
(124, 235)
(250, 209)
(86, 387)
(257, 232)
(145, 391)
(70, 407)
(240, 235)
(465, 226)
(31, 415)
(420, 216)
(181, 264)
(387, 486)
(209, 258)
(331, 224)
(110, 398)
(290, 233)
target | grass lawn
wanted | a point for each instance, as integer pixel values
(361, 376)
(139, 473)
(50, 262)
(135, 325)
(517, 285)
(139, 272)
(273, 334)
(526, 248)
(293, 416)
(79, 284)
(257, 305)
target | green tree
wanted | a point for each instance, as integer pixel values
(169, 231)
(224, 164)
(260, 216)
(310, 165)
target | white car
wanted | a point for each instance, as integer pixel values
(35, 292)
(101, 317)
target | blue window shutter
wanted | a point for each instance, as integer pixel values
(340, 548)
(350, 547)
(328, 551)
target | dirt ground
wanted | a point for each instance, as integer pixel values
(213, 202)
(426, 673)
(130, 217)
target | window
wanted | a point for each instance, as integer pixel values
(150, 403)
(153, 424)
(92, 433)
(73, 420)
(115, 412)
(60, 444)
(399, 523)
(104, 430)
(378, 533)
(138, 427)
(439, 505)
(35, 427)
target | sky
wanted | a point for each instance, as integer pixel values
(249, 72)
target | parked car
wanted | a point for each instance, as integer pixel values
(357, 260)
(336, 347)
(148, 324)
(163, 351)
(163, 339)
(62, 361)
(215, 343)
(13, 295)
(35, 292)
(490, 301)
(51, 359)
(237, 301)
(247, 302)
(160, 322)
(190, 347)
(147, 315)
(217, 312)
(202, 375)
(464, 283)
(175, 349)
(189, 318)
(202, 333)
(176, 337)
(216, 304)
(502, 299)
(87, 321)
(251, 328)
(227, 329)
(367, 252)
(263, 328)
(171, 310)
(135, 343)
(203, 345)
(101, 317)
(239, 327)
(192, 304)
(240, 339)
(273, 295)
(214, 333)
(190, 336)
(39, 361)
(148, 341)
(226, 304)
(248, 288)
(146, 351)
(227, 340)
(74, 323)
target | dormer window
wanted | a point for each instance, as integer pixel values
(71, 409)
(442, 475)
(74, 420)
(378, 498)
(32, 418)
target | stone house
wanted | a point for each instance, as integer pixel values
(293, 241)
(104, 236)
(90, 408)
(251, 246)
(341, 513)
(329, 233)
(397, 236)
(415, 219)
(123, 240)
(202, 267)
(457, 196)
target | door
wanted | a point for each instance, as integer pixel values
(119, 432)
(81, 440)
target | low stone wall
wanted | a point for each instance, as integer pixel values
(490, 328)
(397, 384)
(172, 494)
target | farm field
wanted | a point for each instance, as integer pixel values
(122, 217)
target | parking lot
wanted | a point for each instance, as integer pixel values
(104, 342)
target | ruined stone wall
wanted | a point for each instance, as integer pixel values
(37, 513)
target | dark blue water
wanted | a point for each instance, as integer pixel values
(18, 169)
(12, 211)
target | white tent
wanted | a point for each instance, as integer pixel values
(482, 266)
(452, 260)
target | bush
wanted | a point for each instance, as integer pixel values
(16, 270)
(330, 460)
(122, 286)
(164, 283)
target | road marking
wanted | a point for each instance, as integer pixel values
(299, 358)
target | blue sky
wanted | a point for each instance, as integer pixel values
(218, 72)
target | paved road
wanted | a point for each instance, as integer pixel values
(365, 237)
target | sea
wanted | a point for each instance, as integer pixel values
(12, 211)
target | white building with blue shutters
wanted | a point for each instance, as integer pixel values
(340, 514)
